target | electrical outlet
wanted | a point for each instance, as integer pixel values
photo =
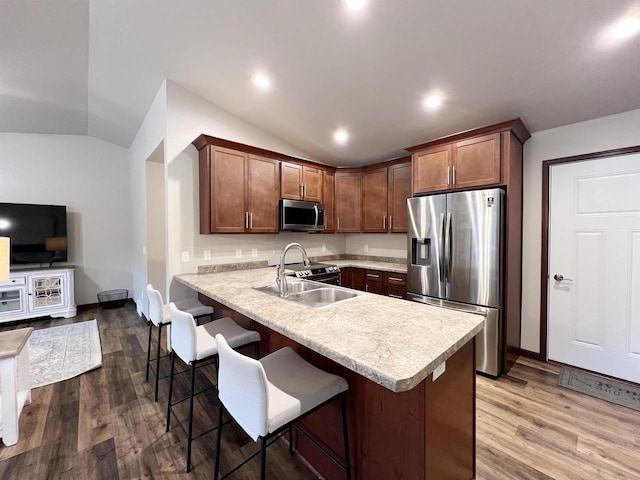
(324, 248)
(207, 254)
(238, 253)
(144, 250)
(254, 252)
(366, 249)
(185, 257)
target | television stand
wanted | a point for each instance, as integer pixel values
(38, 292)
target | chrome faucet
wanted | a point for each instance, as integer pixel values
(281, 279)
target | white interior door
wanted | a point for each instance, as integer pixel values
(594, 243)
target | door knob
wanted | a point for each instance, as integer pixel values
(558, 277)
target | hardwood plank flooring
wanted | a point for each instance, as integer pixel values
(105, 424)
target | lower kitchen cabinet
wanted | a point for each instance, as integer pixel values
(375, 281)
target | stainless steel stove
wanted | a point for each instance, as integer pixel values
(318, 272)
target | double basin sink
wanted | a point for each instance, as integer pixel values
(311, 294)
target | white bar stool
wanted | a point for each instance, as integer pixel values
(159, 316)
(267, 397)
(195, 345)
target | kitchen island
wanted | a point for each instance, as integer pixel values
(403, 422)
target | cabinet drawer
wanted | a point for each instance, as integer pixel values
(395, 278)
(373, 276)
(397, 291)
(17, 280)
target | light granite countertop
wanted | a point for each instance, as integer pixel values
(395, 343)
(373, 265)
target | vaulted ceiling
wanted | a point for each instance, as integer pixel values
(94, 67)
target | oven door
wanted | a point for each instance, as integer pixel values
(329, 278)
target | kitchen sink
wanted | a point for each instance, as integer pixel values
(311, 294)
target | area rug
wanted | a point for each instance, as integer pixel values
(613, 391)
(60, 353)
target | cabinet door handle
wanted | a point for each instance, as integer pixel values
(395, 279)
(366, 288)
(251, 220)
(454, 174)
(373, 275)
(448, 175)
(338, 223)
(304, 190)
(301, 191)
(246, 219)
(390, 222)
(384, 222)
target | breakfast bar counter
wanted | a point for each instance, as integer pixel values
(405, 420)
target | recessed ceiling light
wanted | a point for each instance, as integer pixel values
(341, 136)
(433, 101)
(355, 4)
(626, 28)
(261, 81)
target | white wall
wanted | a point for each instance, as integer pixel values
(606, 133)
(188, 116)
(91, 178)
(151, 134)
(379, 244)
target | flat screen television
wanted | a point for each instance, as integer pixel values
(38, 233)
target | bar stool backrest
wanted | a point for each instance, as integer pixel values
(183, 334)
(242, 388)
(155, 305)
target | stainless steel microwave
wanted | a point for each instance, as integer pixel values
(301, 216)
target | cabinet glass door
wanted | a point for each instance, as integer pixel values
(11, 300)
(47, 292)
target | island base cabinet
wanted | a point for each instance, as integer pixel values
(427, 432)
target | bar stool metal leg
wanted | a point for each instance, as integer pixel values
(149, 351)
(263, 458)
(219, 441)
(155, 399)
(191, 400)
(173, 362)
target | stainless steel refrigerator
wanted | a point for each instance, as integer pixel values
(455, 258)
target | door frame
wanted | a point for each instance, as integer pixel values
(544, 270)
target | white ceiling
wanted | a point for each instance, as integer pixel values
(94, 67)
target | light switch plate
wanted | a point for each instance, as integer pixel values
(185, 257)
(324, 248)
(366, 249)
(440, 369)
(238, 253)
(207, 254)
(254, 252)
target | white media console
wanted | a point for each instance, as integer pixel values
(31, 293)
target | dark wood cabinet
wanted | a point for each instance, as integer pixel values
(395, 284)
(431, 169)
(399, 189)
(352, 278)
(476, 162)
(375, 281)
(263, 184)
(374, 200)
(301, 182)
(460, 165)
(348, 200)
(328, 198)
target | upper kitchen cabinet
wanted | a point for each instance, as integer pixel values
(398, 190)
(385, 189)
(374, 200)
(328, 198)
(348, 196)
(239, 188)
(475, 158)
(301, 182)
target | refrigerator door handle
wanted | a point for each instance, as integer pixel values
(442, 247)
(447, 248)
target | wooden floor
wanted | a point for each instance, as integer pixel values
(105, 424)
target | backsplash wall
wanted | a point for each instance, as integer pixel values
(377, 244)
